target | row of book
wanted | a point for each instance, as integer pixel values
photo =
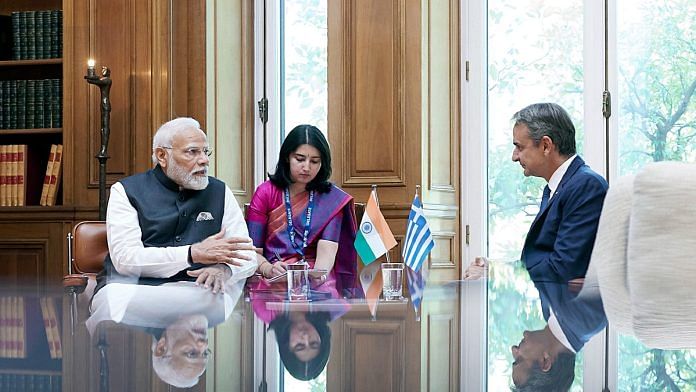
(28, 104)
(13, 333)
(15, 175)
(37, 34)
(30, 383)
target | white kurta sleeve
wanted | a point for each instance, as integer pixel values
(235, 226)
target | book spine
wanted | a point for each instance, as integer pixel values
(47, 327)
(21, 104)
(53, 313)
(4, 316)
(3, 175)
(23, 40)
(60, 33)
(22, 327)
(57, 99)
(39, 35)
(6, 104)
(21, 174)
(54, 34)
(13, 104)
(55, 177)
(31, 35)
(16, 43)
(31, 104)
(47, 177)
(2, 104)
(43, 93)
(14, 154)
(39, 113)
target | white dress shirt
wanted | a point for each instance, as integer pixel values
(557, 176)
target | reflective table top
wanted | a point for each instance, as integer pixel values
(492, 331)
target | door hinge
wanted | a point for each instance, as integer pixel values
(468, 234)
(606, 104)
(466, 68)
(263, 110)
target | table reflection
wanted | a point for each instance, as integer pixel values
(177, 316)
(301, 328)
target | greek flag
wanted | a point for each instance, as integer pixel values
(419, 240)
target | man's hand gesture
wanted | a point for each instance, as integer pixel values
(218, 249)
(212, 277)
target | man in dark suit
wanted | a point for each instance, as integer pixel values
(559, 242)
(544, 360)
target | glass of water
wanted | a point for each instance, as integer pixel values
(392, 278)
(298, 282)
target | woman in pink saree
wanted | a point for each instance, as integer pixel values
(298, 215)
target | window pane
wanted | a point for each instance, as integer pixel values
(535, 54)
(657, 121)
(304, 64)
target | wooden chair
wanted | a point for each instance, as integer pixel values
(87, 248)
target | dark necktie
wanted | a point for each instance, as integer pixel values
(545, 198)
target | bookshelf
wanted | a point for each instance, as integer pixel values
(30, 342)
(31, 100)
(31, 122)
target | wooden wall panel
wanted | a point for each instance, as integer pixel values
(156, 53)
(189, 67)
(377, 355)
(375, 40)
(374, 93)
(31, 253)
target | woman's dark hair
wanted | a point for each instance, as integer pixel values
(303, 134)
(303, 371)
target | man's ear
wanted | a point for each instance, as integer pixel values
(161, 347)
(548, 145)
(546, 362)
(161, 155)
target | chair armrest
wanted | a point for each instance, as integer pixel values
(75, 283)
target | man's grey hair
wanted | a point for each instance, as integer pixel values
(164, 368)
(166, 133)
(548, 119)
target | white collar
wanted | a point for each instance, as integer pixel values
(557, 332)
(558, 175)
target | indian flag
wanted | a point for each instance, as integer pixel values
(374, 237)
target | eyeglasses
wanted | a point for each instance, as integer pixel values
(193, 152)
(194, 354)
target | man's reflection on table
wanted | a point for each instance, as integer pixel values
(180, 351)
(176, 314)
(301, 328)
(544, 360)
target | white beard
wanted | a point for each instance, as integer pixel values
(186, 179)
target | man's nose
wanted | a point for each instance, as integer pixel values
(514, 350)
(515, 156)
(203, 159)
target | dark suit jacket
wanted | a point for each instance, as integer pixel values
(560, 240)
(580, 316)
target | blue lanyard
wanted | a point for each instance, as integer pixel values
(308, 221)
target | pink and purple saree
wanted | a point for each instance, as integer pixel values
(333, 219)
